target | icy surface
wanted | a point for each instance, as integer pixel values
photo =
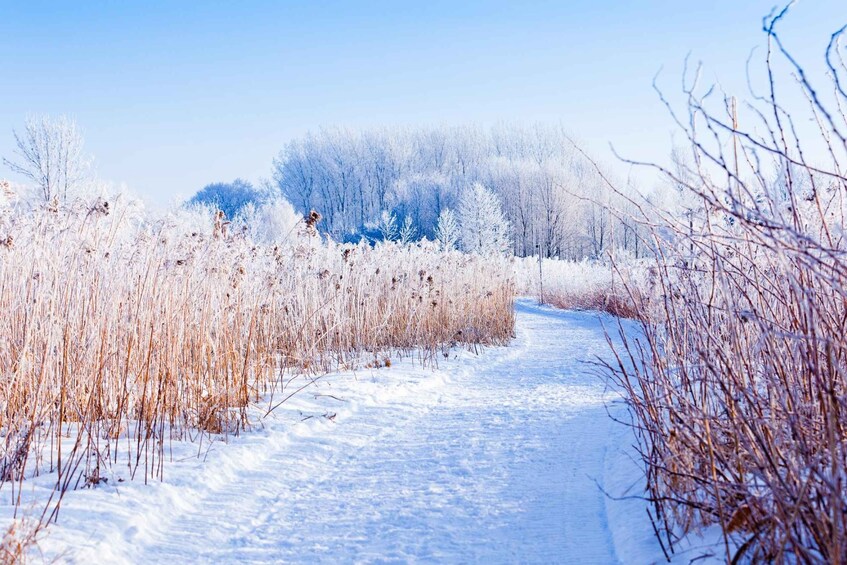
(497, 457)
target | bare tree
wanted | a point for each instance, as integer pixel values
(50, 154)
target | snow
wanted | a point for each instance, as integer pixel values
(498, 457)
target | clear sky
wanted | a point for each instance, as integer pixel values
(174, 95)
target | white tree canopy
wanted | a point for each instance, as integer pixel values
(484, 227)
(553, 197)
(447, 229)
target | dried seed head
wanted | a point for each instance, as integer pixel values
(312, 219)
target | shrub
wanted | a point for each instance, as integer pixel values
(737, 385)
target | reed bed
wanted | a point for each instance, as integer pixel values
(120, 333)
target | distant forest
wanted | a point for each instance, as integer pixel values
(552, 197)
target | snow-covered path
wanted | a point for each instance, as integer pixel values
(495, 458)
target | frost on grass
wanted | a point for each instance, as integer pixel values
(122, 331)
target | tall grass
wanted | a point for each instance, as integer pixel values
(738, 385)
(119, 333)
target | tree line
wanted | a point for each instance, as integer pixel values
(551, 195)
(524, 190)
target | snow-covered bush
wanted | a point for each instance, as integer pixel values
(272, 221)
(737, 383)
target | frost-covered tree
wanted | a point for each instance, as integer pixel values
(447, 229)
(272, 221)
(484, 227)
(49, 152)
(388, 226)
(551, 194)
(408, 233)
(229, 197)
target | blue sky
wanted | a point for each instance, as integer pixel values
(174, 95)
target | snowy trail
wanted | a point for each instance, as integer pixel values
(495, 458)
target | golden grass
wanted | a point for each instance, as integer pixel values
(118, 335)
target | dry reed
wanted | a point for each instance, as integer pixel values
(120, 334)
